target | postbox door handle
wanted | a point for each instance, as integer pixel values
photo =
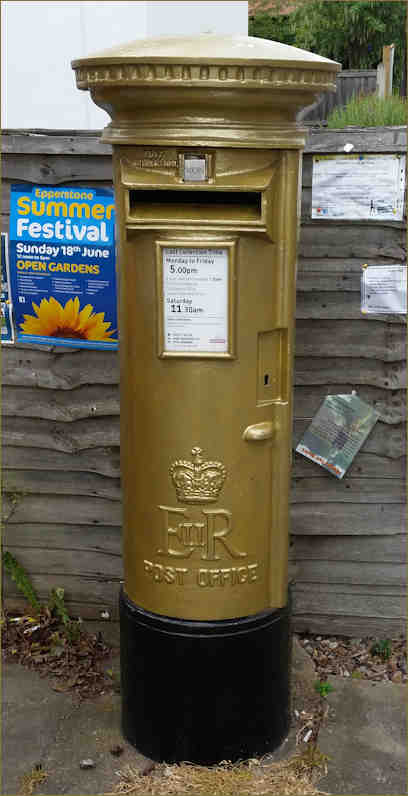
(259, 431)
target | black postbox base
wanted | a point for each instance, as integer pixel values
(204, 691)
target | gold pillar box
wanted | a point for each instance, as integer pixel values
(206, 163)
(207, 156)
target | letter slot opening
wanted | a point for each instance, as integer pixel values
(209, 206)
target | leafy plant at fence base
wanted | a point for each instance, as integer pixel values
(56, 603)
(382, 648)
(323, 688)
(369, 111)
(21, 579)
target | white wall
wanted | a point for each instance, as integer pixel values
(39, 40)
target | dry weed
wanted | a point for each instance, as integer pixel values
(293, 777)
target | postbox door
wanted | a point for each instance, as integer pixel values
(206, 435)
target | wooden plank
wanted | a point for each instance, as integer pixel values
(345, 572)
(333, 274)
(352, 626)
(390, 405)
(351, 241)
(328, 489)
(15, 604)
(88, 565)
(54, 143)
(374, 605)
(103, 539)
(347, 519)
(320, 305)
(383, 440)
(105, 461)
(65, 509)
(378, 139)
(375, 340)
(352, 371)
(365, 465)
(45, 482)
(91, 596)
(88, 401)
(96, 401)
(67, 437)
(63, 371)
(381, 549)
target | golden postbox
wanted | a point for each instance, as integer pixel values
(207, 156)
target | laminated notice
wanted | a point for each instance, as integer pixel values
(337, 432)
(384, 289)
(358, 186)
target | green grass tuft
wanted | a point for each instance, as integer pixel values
(370, 111)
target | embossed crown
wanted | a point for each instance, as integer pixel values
(197, 481)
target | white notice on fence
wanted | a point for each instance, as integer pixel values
(367, 187)
(195, 299)
(384, 289)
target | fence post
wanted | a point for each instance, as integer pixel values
(388, 61)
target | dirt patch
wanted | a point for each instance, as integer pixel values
(74, 662)
(378, 660)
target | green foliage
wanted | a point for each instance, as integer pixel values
(277, 27)
(352, 32)
(323, 688)
(382, 648)
(22, 581)
(56, 603)
(370, 111)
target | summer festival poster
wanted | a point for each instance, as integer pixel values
(62, 265)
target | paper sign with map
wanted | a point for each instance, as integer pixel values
(365, 187)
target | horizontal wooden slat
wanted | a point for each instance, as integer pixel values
(68, 437)
(351, 240)
(380, 549)
(65, 371)
(329, 489)
(50, 142)
(85, 597)
(338, 306)
(353, 626)
(62, 371)
(347, 519)
(98, 538)
(333, 274)
(88, 401)
(65, 509)
(346, 603)
(67, 562)
(348, 370)
(354, 338)
(103, 400)
(378, 139)
(46, 482)
(105, 461)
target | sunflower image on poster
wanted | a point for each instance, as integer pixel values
(52, 319)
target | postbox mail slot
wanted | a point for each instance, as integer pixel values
(205, 207)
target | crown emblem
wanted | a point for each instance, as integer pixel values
(197, 481)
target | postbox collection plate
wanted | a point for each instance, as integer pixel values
(196, 301)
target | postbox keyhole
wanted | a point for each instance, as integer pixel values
(266, 379)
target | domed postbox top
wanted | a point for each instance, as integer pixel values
(216, 79)
(208, 48)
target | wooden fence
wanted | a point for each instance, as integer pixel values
(62, 499)
(349, 82)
